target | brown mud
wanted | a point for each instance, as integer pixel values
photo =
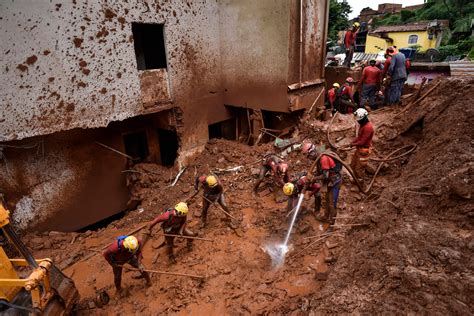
(413, 254)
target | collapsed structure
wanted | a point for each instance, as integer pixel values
(153, 79)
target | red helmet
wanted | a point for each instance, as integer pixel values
(307, 148)
(283, 167)
(349, 80)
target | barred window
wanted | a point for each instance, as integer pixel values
(412, 39)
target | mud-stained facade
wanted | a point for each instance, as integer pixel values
(72, 65)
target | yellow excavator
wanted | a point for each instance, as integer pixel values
(42, 290)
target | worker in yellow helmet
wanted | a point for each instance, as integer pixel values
(213, 192)
(350, 43)
(173, 223)
(331, 97)
(125, 249)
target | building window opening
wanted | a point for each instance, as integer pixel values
(225, 129)
(169, 146)
(149, 43)
(412, 39)
(136, 145)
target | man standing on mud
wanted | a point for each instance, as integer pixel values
(370, 82)
(397, 75)
(328, 170)
(278, 168)
(213, 192)
(125, 249)
(363, 142)
(173, 223)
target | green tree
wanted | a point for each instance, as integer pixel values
(338, 18)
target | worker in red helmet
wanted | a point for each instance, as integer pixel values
(302, 184)
(345, 97)
(213, 192)
(278, 169)
(369, 82)
(125, 250)
(173, 222)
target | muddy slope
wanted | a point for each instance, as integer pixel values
(417, 254)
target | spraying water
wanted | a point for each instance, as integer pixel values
(277, 252)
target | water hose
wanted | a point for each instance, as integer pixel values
(389, 157)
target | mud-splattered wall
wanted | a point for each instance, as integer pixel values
(69, 64)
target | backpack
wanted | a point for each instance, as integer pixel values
(119, 239)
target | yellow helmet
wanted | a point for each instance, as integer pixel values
(181, 209)
(336, 85)
(288, 188)
(211, 181)
(356, 24)
(130, 243)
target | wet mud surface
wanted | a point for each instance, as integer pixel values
(413, 253)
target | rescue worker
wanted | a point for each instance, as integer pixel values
(370, 82)
(331, 97)
(345, 97)
(277, 167)
(125, 249)
(174, 223)
(329, 171)
(302, 185)
(349, 43)
(398, 75)
(213, 192)
(363, 142)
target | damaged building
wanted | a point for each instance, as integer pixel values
(89, 87)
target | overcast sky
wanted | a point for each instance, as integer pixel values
(358, 5)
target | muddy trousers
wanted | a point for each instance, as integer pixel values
(134, 262)
(261, 177)
(360, 160)
(331, 198)
(205, 205)
(170, 241)
(349, 55)
(368, 94)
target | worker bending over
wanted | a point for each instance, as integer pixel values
(125, 249)
(328, 170)
(331, 98)
(363, 142)
(213, 192)
(173, 223)
(302, 184)
(370, 83)
(277, 167)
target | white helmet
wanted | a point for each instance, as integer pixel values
(360, 114)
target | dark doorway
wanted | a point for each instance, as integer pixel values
(168, 146)
(149, 43)
(136, 145)
(224, 129)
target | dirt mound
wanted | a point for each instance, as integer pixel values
(417, 254)
(413, 254)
